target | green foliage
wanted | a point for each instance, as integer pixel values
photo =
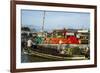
(25, 28)
(73, 51)
(69, 51)
(76, 51)
(38, 40)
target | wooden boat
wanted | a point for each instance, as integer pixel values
(54, 57)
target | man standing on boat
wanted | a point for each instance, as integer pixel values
(60, 46)
(31, 44)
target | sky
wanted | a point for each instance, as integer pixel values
(55, 20)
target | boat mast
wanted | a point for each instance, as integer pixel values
(43, 23)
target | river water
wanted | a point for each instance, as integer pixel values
(25, 58)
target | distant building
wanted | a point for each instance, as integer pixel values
(84, 36)
(60, 33)
(26, 32)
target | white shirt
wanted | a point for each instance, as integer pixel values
(29, 43)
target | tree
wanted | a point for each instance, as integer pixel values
(25, 28)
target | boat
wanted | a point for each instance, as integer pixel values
(54, 57)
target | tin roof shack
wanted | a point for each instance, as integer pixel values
(71, 32)
(84, 36)
(60, 33)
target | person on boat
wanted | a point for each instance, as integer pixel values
(87, 52)
(31, 44)
(59, 49)
(34, 42)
